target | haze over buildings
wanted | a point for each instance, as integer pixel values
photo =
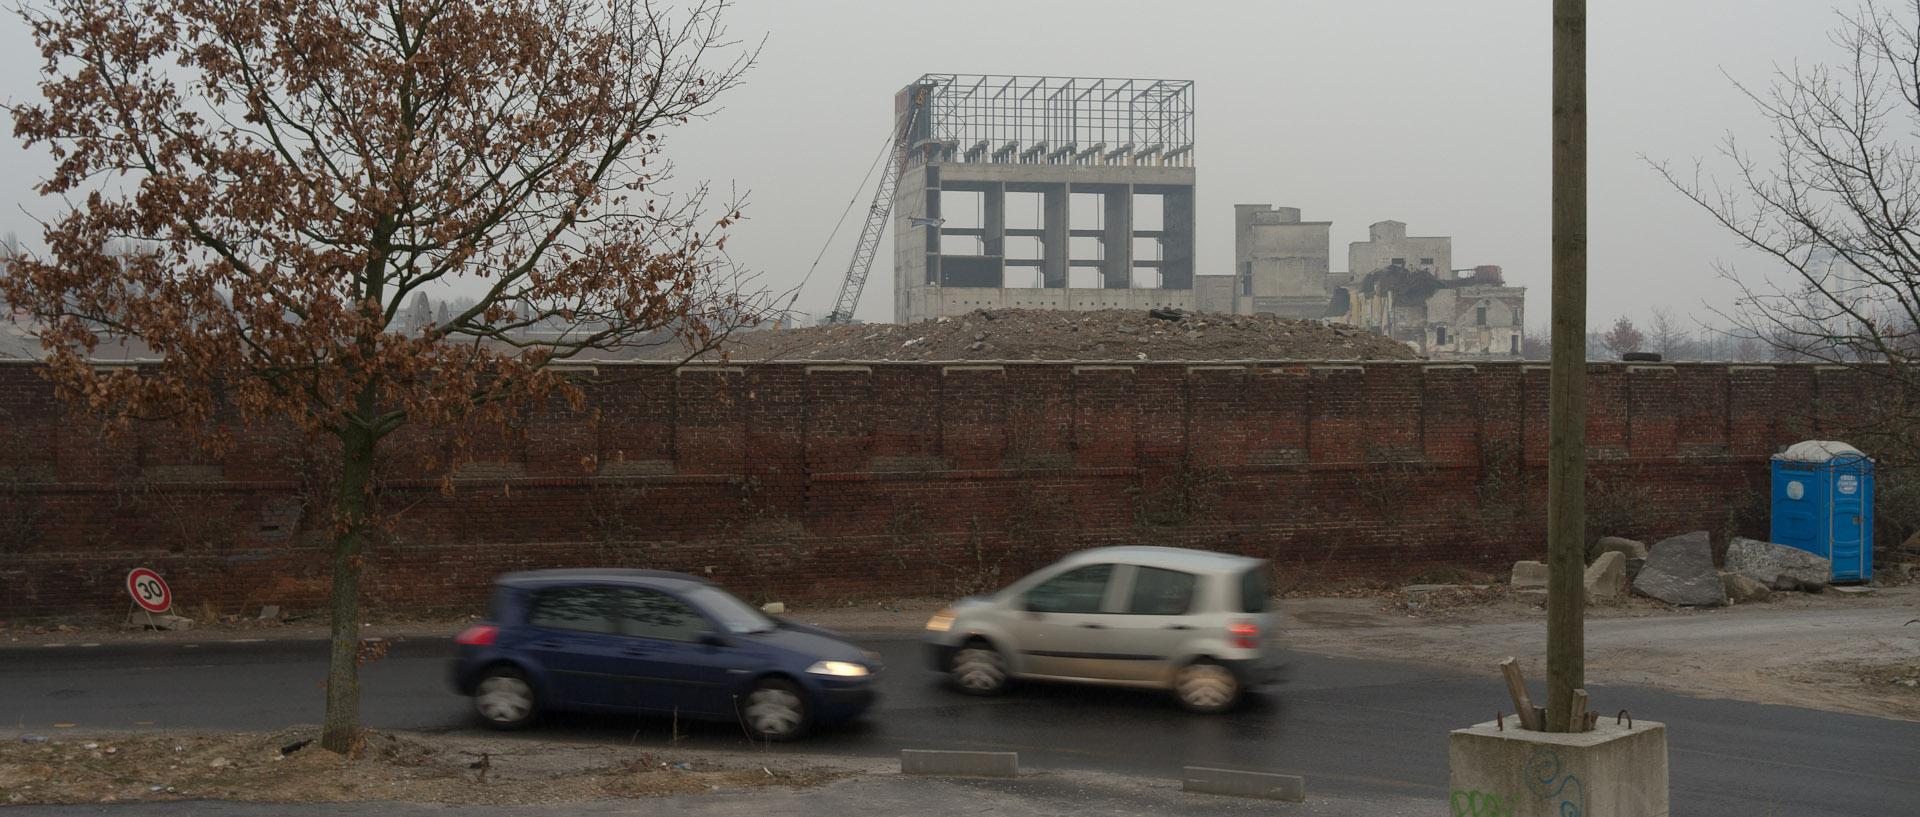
(1354, 111)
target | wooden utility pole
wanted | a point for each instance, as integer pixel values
(1567, 383)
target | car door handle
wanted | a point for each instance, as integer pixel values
(1178, 627)
(1092, 626)
(634, 651)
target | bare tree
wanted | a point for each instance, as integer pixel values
(1832, 198)
(1622, 338)
(1666, 335)
(301, 170)
(1534, 344)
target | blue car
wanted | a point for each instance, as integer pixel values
(657, 643)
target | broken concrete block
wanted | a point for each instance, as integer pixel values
(1625, 547)
(773, 608)
(1743, 589)
(158, 621)
(1848, 591)
(1780, 567)
(270, 612)
(1635, 553)
(1607, 577)
(1529, 574)
(1680, 570)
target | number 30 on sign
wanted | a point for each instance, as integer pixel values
(148, 590)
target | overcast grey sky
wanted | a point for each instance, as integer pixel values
(1355, 111)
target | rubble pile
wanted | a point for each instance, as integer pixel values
(1041, 334)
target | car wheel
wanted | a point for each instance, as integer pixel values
(504, 698)
(978, 669)
(1206, 687)
(775, 710)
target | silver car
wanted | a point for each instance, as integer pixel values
(1189, 621)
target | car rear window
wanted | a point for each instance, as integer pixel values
(1160, 592)
(1253, 590)
(585, 609)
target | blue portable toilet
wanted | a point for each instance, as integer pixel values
(1823, 504)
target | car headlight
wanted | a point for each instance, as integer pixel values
(841, 669)
(941, 621)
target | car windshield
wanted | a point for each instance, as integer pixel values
(735, 615)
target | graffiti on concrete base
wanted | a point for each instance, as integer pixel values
(1547, 782)
(1481, 804)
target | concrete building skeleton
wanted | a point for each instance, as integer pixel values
(1104, 167)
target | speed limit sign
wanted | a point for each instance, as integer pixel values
(148, 590)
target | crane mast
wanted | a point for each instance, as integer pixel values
(877, 214)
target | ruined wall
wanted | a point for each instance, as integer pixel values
(797, 480)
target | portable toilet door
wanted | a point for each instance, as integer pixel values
(1850, 481)
(1823, 504)
(1799, 503)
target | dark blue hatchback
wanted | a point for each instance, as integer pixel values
(654, 642)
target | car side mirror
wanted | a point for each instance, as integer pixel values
(712, 639)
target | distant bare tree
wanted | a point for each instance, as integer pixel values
(1534, 342)
(1622, 338)
(1666, 335)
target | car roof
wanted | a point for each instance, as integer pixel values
(666, 579)
(1152, 556)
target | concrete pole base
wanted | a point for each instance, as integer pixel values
(1612, 770)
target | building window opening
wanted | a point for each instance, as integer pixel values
(1481, 316)
(1439, 336)
(1399, 262)
(1426, 262)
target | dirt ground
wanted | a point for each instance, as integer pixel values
(1045, 334)
(287, 767)
(1835, 651)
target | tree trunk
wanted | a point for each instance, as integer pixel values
(1567, 386)
(341, 731)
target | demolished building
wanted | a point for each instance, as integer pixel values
(1075, 193)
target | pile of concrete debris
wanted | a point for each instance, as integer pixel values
(1679, 570)
(1041, 334)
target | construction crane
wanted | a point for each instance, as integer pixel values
(877, 214)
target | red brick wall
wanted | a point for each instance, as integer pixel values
(815, 481)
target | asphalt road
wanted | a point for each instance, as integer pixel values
(1354, 728)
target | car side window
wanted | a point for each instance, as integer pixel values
(1161, 592)
(584, 609)
(653, 614)
(1079, 590)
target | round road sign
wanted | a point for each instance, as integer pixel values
(148, 590)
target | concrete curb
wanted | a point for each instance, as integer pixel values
(1244, 784)
(959, 764)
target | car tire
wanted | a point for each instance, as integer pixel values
(978, 669)
(504, 698)
(1206, 687)
(775, 710)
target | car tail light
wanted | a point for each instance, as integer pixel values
(1243, 635)
(479, 635)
